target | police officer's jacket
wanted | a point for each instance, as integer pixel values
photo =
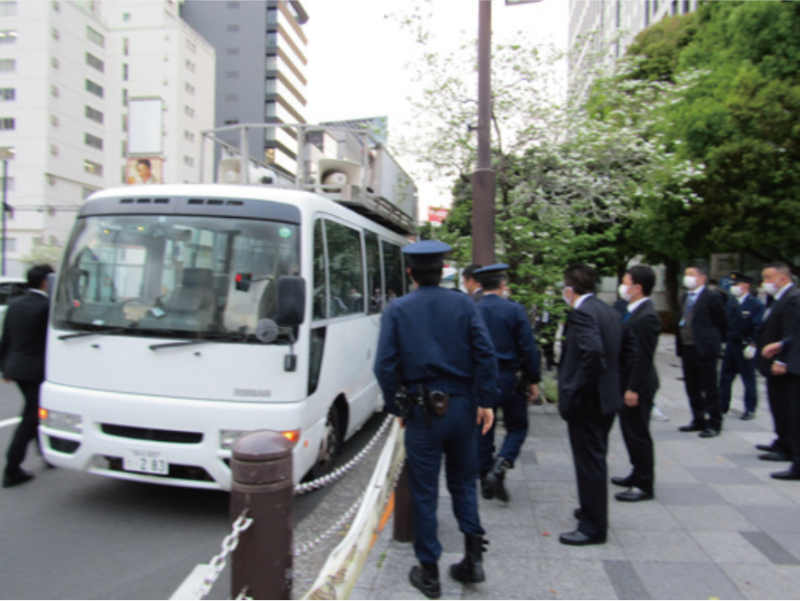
(511, 333)
(744, 319)
(434, 336)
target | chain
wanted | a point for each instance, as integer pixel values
(229, 544)
(341, 471)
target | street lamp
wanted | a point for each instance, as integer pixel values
(483, 179)
(5, 155)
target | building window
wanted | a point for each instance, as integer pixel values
(126, 46)
(95, 62)
(93, 141)
(231, 122)
(272, 15)
(56, 5)
(7, 123)
(95, 36)
(125, 71)
(231, 97)
(54, 62)
(54, 150)
(8, 36)
(10, 243)
(686, 7)
(674, 7)
(191, 46)
(8, 94)
(8, 8)
(272, 62)
(124, 96)
(272, 85)
(54, 91)
(189, 161)
(189, 111)
(8, 65)
(93, 114)
(124, 123)
(232, 28)
(188, 135)
(272, 38)
(54, 120)
(94, 88)
(231, 51)
(189, 88)
(55, 34)
(92, 167)
(126, 17)
(231, 74)
(190, 65)
(271, 109)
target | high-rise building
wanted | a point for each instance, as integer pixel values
(68, 72)
(261, 67)
(605, 29)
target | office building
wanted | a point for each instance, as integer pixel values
(261, 71)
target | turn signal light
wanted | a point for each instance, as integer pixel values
(42, 413)
(292, 435)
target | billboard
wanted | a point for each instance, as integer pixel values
(145, 125)
(144, 171)
(437, 214)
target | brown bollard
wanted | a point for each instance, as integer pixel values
(403, 511)
(263, 484)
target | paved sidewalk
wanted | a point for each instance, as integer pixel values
(719, 527)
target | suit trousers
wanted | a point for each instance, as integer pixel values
(635, 425)
(515, 420)
(700, 378)
(453, 434)
(28, 428)
(734, 363)
(588, 437)
(782, 391)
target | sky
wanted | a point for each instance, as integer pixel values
(357, 58)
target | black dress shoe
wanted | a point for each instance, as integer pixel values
(16, 478)
(774, 456)
(577, 513)
(709, 433)
(577, 538)
(790, 474)
(692, 428)
(487, 492)
(425, 577)
(625, 482)
(633, 495)
(747, 416)
(769, 448)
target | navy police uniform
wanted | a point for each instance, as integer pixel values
(434, 337)
(744, 319)
(518, 362)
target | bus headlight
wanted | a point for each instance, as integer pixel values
(61, 420)
(228, 437)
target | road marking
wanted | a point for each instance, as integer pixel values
(10, 422)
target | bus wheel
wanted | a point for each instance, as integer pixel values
(330, 445)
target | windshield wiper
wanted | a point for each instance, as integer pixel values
(155, 347)
(97, 332)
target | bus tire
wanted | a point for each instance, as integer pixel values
(330, 444)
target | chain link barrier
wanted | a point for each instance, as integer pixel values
(339, 472)
(218, 562)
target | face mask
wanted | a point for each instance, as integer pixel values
(770, 288)
(737, 291)
(623, 293)
(506, 293)
(690, 282)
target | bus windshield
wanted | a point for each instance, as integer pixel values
(174, 276)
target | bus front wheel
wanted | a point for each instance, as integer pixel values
(330, 444)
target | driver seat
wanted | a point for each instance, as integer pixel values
(195, 297)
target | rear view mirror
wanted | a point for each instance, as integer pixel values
(291, 301)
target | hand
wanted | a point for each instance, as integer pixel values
(631, 398)
(485, 416)
(771, 350)
(778, 369)
(534, 393)
(401, 421)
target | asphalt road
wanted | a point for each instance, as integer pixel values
(72, 535)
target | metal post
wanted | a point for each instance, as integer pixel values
(403, 513)
(483, 179)
(5, 208)
(244, 157)
(263, 484)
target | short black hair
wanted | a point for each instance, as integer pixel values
(38, 274)
(145, 162)
(469, 271)
(492, 283)
(644, 276)
(701, 267)
(781, 267)
(581, 277)
(427, 275)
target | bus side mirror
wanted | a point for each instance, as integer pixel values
(291, 301)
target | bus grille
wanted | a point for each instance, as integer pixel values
(152, 434)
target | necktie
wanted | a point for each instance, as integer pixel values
(690, 300)
(627, 316)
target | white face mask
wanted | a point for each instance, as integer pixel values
(623, 293)
(690, 282)
(737, 291)
(770, 288)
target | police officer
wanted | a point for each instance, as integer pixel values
(518, 361)
(433, 340)
(744, 313)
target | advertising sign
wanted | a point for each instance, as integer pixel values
(144, 171)
(437, 214)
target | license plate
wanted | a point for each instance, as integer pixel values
(146, 462)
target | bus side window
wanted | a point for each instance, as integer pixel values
(345, 269)
(319, 286)
(393, 271)
(374, 279)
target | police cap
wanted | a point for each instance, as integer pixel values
(738, 277)
(490, 272)
(426, 252)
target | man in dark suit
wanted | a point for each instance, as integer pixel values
(779, 363)
(744, 312)
(471, 283)
(589, 397)
(701, 330)
(642, 326)
(22, 351)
